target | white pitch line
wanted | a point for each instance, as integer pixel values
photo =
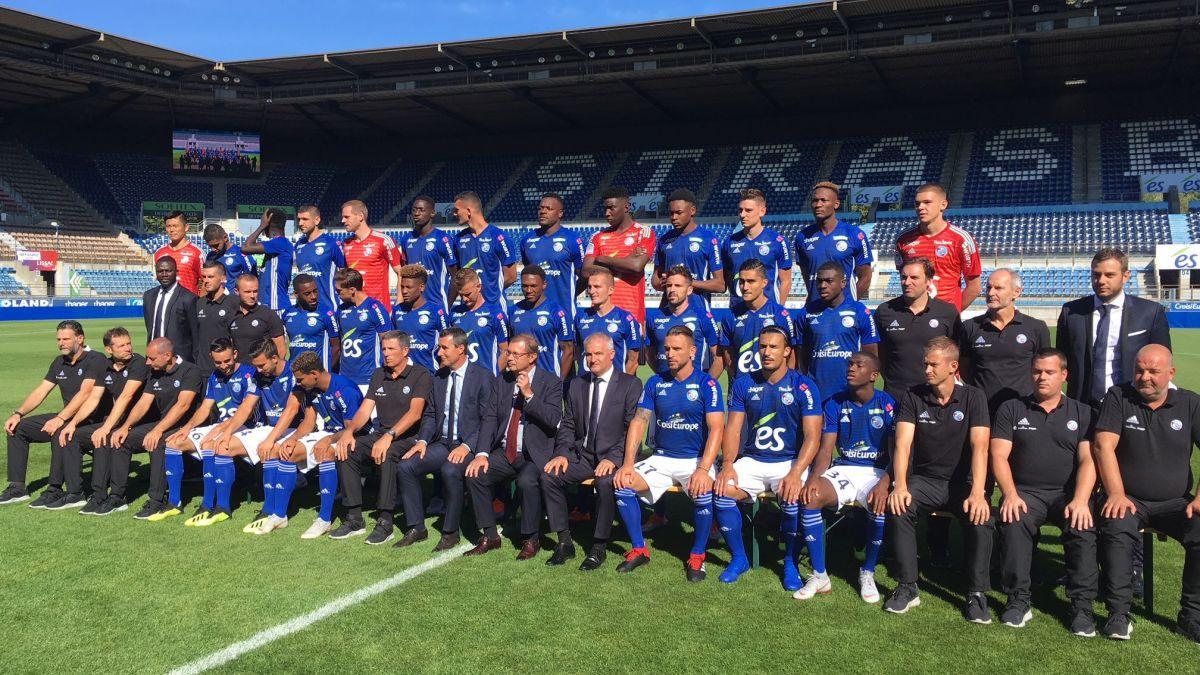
(266, 637)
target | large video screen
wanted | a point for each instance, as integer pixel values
(216, 153)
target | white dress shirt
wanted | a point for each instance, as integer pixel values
(158, 318)
(1115, 307)
(456, 377)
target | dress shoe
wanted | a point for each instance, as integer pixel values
(529, 548)
(412, 536)
(595, 558)
(562, 553)
(485, 544)
(448, 541)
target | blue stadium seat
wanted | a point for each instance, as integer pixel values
(285, 185)
(1129, 150)
(1029, 165)
(118, 282)
(137, 178)
(661, 171)
(783, 171)
(907, 160)
(572, 177)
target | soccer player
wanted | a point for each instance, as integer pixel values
(907, 323)
(940, 462)
(230, 255)
(75, 371)
(228, 385)
(692, 246)
(755, 241)
(215, 309)
(372, 254)
(546, 320)
(678, 311)
(860, 423)
(187, 256)
(334, 400)
(1144, 437)
(952, 250)
(624, 248)
(318, 255)
(422, 317)
(832, 327)
(558, 251)
(605, 317)
(484, 322)
(688, 410)
(1042, 460)
(831, 239)
(253, 321)
(747, 317)
(999, 344)
(485, 249)
(310, 328)
(432, 249)
(362, 319)
(278, 254)
(775, 425)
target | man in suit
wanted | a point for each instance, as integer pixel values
(170, 309)
(590, 444)
(463, 396)
(1126, 324)
(525, 421)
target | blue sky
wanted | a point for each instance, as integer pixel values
(230, 30)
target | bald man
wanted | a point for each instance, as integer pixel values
(1145, 433)
(998, 345)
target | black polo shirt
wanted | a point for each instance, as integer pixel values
(902, 338)
(212, 322)
(1155, 449)
(1000, 359)
(69, 377)
(1045, 445)
(166, 385)
(247, 328)
(394, 395)
(114, 380)
(942, 442)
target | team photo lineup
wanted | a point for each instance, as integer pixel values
(396, 379)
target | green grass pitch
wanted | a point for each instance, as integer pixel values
(113, 594)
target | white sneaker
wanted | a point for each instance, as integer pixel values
(318, 529)
(813, 587)
(270, 524)
(866, 586)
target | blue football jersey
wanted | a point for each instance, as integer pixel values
(548, 323)
(864, 432)
(236, 264)
(320, 258)
(740, 329)
(489, 254)
(276, 274)
(619, 324)
(486, 329)
(846, 245)
(337, 405)
(227, 393)
(310, 331)
(704, 329)
(561, 256)
(774, 428)
(679, 408)
(769, 246)
(437, 255)
(830, 335)
(423, 326)
(361, 326)
(699, 251)
(273, 394)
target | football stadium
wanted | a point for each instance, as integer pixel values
(609, 349)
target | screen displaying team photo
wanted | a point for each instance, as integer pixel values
(225, 153)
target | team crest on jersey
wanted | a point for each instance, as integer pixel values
(362, 315)
(877, 422)
(1176, 425)
(958, 416)
(319, 249)
(693, 395)
(848, 321)
(841, 246)
(236, 387)
(542, 321)
(312, 321)
(1021, 339)
(933, 323)
(423, 319)
(482, 321)
(254, 323)
(221, 313)
(694, 246)
(1072, 425)
(787, 398)
(485, 247)
(369, 249)
(942, 251)
(629, 241)
(176, 384)
(406, 389)
(185, 259)
(558, 247)
(612, 327)
(429, 245)
(764, 249)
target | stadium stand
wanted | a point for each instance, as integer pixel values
(9, 285)
(137, 178)
(9, 204)
(1131, 149)
(1045, 282)
(48, 194)
(344, 185)
(152, 242)
(572, 177)
(1026, 166)
(117, 282)
(1194, 223)
(907, 160)
(285, 185)
(658, 172)
(386, 196)
(80, 172)
(484, 176)
(80, 247)
(784, 171)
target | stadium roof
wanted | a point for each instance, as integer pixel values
(764, 63)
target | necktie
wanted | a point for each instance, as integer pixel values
(514, 425)
(452, 413)
(159, 306)
(1100, 355)
(593, 416)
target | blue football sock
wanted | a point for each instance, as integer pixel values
(703, 518)
(210, 479)
(285, 484)
(328, 484)
(174, 468)
(814, 536)
(874, 540)
(729, 519)
(225, 474)
(789, 526)
(269, 469)
(631, 513)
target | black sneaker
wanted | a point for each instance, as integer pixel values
(904, 598)
(13, 494)
(1190, 630)
(976, 609)
(1083, 622)
(347, 529)
(48, 497)
(70, 500)
(148, 509)
(1016, 614)
(93, 504)
(1118, 627)
(382, 534)
(112, 504)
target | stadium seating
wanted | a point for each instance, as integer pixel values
(1026, 166)
(1194, 223)
(152, 242)
(1045, 282)
(49, 196)
(1129, 150)
(387, 195)
(343, 186)
(9, 285)
(9, 204)
(79, 171)
(784, 171)
(117, 282)
(77, 247)
(484, 176)
(285, 185)
(137, 178)
(658, 172)
(908, 160)
(572, 177)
